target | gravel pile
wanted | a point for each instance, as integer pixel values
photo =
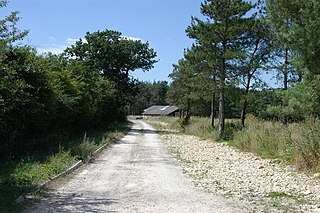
(263, 183)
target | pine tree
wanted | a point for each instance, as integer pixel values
(224, 30)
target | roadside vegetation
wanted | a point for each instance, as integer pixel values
(297, 144)
(48, 102)
(222, 76)
(22, 176)
(56, 109)
(237, 43)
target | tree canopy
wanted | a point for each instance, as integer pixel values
(114, 56)
(88, 86)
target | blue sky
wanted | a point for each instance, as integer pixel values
(55, 24)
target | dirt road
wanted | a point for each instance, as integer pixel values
(135, 175)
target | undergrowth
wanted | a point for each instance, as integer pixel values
(20, 176)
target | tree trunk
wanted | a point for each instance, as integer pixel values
(222, 99)
(285, 86)
(243, 112)
(213, 97)
(221, 110)
(245, 103)
(187, 118)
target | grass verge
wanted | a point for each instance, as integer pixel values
(297, 144)
(22, 176)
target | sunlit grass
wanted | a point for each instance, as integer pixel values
(297, 144)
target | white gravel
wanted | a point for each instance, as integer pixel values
(263, 183)
(137, 174)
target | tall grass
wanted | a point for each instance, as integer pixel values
(297, 144)
(200, 126)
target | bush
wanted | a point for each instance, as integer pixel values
(85, 148)
(230, 129)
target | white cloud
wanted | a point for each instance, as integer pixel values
(56, 48)
(52, 49)
(131, 38)
(71, 41)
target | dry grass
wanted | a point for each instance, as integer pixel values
(298, 143)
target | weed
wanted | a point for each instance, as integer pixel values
(230, 129)
(85, 148)
(21, 176)
(278, 194)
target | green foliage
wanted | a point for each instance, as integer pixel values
(159, 92)
(148, 94)
(301, 32)
(28, 172)
(41, 95)
(114, 56)
(80, 93)
(22, 176)
(85, 148)
(224, 35)
(302, 101)
(24, 92)
(231, 128)
(8, 30)
(191, 82)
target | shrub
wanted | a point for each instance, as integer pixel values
(85, 148)
(230, 129)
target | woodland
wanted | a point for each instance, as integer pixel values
(221, 76)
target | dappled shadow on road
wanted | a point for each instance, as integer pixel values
(74, 202)
(150, 131)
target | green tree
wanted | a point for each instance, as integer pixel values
(159, 92)
(227, 23)
(25, 93)
(302, 18)
(114, 56)
(281, 28)
(256, 55)
(80, 93)
(297, 22)
(9, 32)
(190, 82)
(149, 94)
(143, 98)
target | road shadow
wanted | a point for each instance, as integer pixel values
(72, 202)
(150, 131)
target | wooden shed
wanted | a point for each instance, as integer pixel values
(161, 111)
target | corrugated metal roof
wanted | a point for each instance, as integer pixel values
(160, 110)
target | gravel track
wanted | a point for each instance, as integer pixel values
(264, 184)
(137, 174)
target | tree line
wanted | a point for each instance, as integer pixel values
(238, 41)
(87, 86)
